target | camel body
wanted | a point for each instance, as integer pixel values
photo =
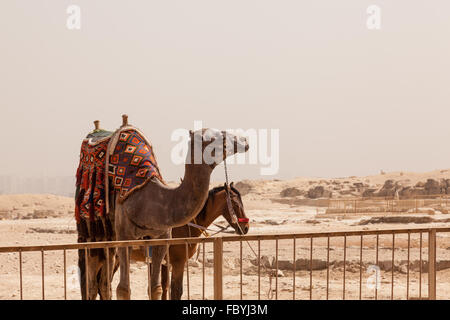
(153, 210)
(215, 206)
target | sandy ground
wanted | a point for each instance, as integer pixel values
(62, 230)
(266, 217)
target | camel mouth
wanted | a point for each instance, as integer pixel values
(241, 144)
(242, 228)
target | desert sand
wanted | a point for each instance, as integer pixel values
(48, 219)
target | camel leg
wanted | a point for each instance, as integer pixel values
(176, 285)
(92, 269)
(82, 268)
(94, 266)
(164, 282)
(104, 293)
(124, 231)
(123, 290)
(158, 253)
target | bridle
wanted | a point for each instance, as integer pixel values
(232, 213)
(234, 219)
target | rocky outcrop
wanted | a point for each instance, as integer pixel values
(291, 192)
(244, 187)
(433, 187)
(411, 192)
(393, 188)
(51, 230)
(400, 266)
(311, 192)
(318, 192)
(389, 189)
(370, 192)
(300, 264)
(396, 219)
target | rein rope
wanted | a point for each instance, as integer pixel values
(234, 218)
(204, 229)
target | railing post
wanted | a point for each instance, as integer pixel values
(432, 264)
(218, 269)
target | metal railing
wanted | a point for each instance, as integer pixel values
(353, 242)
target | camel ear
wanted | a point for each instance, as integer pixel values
(191, 132)
(231, 184)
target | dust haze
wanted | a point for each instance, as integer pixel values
(347, 100)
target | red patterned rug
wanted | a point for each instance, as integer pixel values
(132, 163)
(129, 157)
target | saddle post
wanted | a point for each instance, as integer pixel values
(124, 120)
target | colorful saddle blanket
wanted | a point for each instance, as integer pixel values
(130, 161)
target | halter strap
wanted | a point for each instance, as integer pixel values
(234, 218)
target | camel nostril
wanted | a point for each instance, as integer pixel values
(243, 228)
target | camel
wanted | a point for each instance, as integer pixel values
(215, 205)
(154, 209)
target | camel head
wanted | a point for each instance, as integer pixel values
(211, 146)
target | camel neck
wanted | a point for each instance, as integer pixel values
(157, 207)
(190, 195)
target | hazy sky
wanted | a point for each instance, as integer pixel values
(347, 100)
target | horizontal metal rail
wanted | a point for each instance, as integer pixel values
(160, 242)
(331, 234)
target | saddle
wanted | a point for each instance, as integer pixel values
(112, 165)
